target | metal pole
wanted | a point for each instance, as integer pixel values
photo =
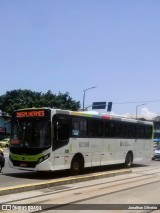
(83, 98)
(84, 91)
(137, 108)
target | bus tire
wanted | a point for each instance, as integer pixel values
(129, 160)
(0, 167)
(76, 165)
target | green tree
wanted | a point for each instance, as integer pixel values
(20, 99)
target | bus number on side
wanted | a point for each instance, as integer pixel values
(83, 144)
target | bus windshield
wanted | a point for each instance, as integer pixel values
(30, 133)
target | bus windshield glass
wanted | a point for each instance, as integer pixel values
(31, 132)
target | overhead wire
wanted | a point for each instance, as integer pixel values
(135, 102)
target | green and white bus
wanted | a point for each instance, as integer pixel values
(46, 139)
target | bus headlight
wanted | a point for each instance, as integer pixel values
(45, 157)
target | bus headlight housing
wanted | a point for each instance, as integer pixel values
(45, 157)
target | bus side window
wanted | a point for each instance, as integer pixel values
(63, 131)
(148, 132)
(75, 128)
(79, 127)
(140, 131)
(131, 130)
(61, 128)
(60, 131)
(95, 128)
(110, 129)
(122, 130)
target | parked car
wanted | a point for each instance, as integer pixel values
(156, 153)
(2, 159)
(5, 142)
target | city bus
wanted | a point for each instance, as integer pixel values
(46, 139)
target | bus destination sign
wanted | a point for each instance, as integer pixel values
(33, 113)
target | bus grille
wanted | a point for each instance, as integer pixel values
(24, 164)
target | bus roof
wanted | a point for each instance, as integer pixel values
(94, 114)
(91, 114)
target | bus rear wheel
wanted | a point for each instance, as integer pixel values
(129, 160)
(76, 166)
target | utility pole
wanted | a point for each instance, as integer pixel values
(137, 108)
(84, 92)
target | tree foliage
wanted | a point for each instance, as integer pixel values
(20, 99)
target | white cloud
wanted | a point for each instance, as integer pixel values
(145, 113)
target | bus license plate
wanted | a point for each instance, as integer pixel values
(23, 164)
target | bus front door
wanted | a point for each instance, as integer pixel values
(60, 145)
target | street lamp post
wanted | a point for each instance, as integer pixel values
(84, 91)
(137, 108)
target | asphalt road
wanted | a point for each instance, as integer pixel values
(13, 177)
(134, 192)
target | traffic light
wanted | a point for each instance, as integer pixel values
(109, 109)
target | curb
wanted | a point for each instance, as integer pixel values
(61, 181)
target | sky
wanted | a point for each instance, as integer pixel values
(73, 45)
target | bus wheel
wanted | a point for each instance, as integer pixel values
(76, 166)
(129, 160)
(0, 167)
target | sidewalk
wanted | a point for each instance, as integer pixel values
(40, 184)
